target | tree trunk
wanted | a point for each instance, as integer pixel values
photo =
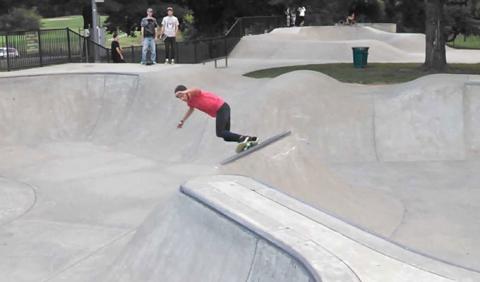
(435, 56)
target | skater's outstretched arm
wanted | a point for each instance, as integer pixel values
(185, 117)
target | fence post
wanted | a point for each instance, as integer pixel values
(87, 49)
(80, 47)
(210, 49)
(133, 53)
(225, 46)
(69, 46)
(40, 51)
(242, 30)
(195, 44)
(8, 56)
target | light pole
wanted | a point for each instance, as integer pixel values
(95, 28)
(95, 21)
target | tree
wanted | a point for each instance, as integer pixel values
(55, 8)
(409, 15)
(213, 16)
(366, 10)
(5, 5)
(20, 19)
(435, 55)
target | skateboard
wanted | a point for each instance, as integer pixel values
(255, 147)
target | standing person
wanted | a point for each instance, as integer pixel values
(287, 13)
(351, 19)
(170, 29)
(293, 16)
(301, 13)
(215, 107)
(117, 51)
(149, 35)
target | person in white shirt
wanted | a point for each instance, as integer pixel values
(170, 29)
(301, 13)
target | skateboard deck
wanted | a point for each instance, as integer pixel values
(257, 147)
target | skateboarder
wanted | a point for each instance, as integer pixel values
(215, 107)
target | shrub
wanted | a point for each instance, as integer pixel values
(20, 19)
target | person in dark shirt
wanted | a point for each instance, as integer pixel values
(149, 35)
(117, 52)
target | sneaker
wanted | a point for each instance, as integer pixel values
(240, 147)
(172, 62)
(247, 139)
(166, 62)
(247, 143)
(143, 63)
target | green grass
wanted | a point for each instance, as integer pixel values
(469, 42)
(372, 74)
(73, 22)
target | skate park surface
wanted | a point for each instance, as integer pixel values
(376, 183)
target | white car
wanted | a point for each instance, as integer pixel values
(12, 53)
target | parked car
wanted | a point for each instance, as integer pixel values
(12, 52)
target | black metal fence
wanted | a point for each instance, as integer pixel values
(28, 49)
(207, 49)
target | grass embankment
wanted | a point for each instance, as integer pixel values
(469, 42)
(372, 74)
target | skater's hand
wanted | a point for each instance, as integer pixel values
(180, 124)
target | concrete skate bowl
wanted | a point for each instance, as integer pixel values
(331, 44)
(398, 161)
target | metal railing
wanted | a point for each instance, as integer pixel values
(28, 49)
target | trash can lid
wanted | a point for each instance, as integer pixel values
(360, 48)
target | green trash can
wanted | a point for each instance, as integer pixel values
(360, 57)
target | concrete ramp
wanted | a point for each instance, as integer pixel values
(231, 228)
(333, 44)
(189, 241)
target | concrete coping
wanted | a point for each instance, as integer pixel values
(330, 248)
(473, 83)
(107, 73)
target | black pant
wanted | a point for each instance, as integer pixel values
(223, 125)
(118, 60)
(301, 21)
(170, 43)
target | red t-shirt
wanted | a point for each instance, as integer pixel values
(206, 102)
